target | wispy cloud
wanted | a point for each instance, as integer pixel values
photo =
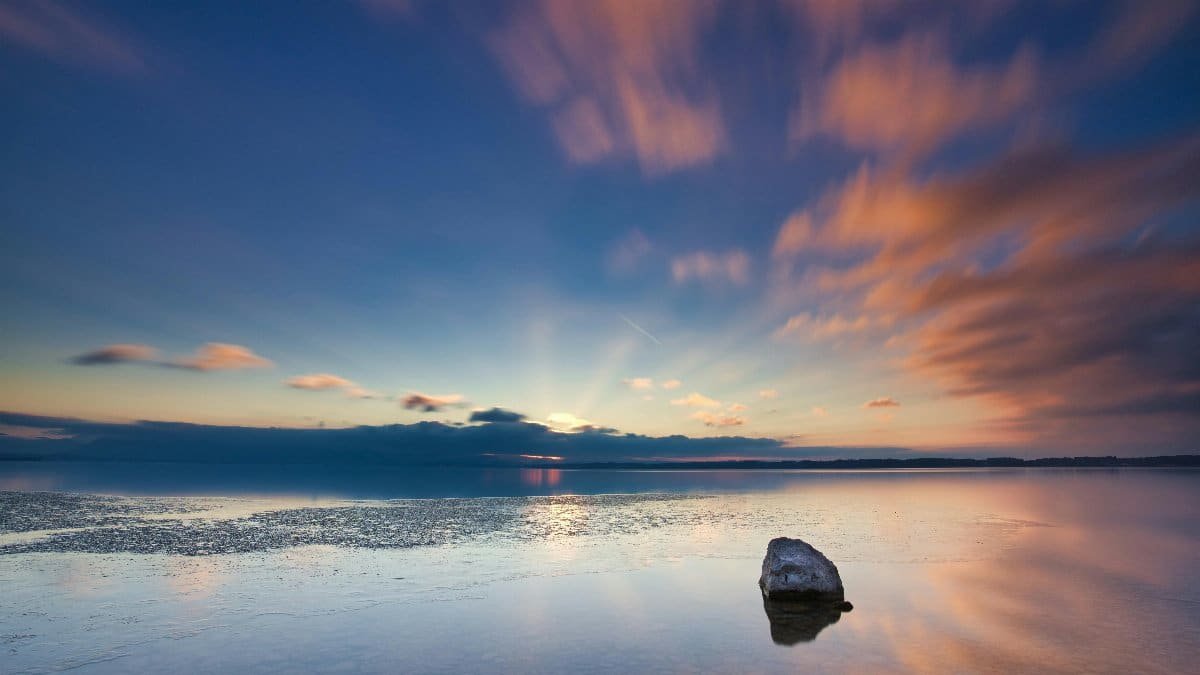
(628, 253)
(118, 353)
(718, 420)
(670, 384)
(929, 97)
(210, 356)
(883, 402)
(617, 78)
(639, 383)
(832, 327)
(768, 394)
(731, 266)
(69, 35)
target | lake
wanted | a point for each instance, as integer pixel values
(187, 568)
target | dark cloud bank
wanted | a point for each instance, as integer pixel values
(501, 438)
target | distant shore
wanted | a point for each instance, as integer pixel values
(1161, 461)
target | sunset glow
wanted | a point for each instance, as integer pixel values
(964, 228)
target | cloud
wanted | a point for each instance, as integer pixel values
(565, 421)
(430, 402)
(1135, 32)
(495, 415)
(69, 35)
(818, 411)
(419, 444)
(718, 420)
(732, 266)
(670, 384)
(768, 394)
(318, 382)
(639, 383)
(884, 402)
(696, 400)
(625, 255)
(222, 356)
(830, 327)
(929, 98)
(736, 407)
(617, 79)
(326, 381)
(118, 353)
(794, 235)
(1032, 282)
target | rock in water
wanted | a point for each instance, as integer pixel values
(793, 570)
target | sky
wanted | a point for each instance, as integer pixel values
(951, 227)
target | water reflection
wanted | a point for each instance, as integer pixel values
(981, 572)
(541, 477)
(801, 620)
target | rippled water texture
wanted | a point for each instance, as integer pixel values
(964, 571)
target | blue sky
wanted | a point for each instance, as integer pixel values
(866, 223)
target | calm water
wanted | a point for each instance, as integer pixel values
(210, 569)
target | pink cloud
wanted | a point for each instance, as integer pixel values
(927, 96)
(617, 78)
(222, 356)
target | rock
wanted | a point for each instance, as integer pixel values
(793, 570)
(794, 621)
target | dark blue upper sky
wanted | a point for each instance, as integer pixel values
(886, 223)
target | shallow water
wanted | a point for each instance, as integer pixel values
(961, 571)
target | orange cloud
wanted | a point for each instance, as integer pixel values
(928, 98)
(326, 381)
(1033, 283)
(617, 78)
(717, 420)
(884, 402)
(670, 384)
(768, 394)
(222, 356)
(696, 400)
(318, 381)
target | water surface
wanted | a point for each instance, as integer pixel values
(965, 571)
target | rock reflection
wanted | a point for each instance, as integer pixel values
(794, 621)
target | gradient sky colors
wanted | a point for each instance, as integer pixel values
(950, 226)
